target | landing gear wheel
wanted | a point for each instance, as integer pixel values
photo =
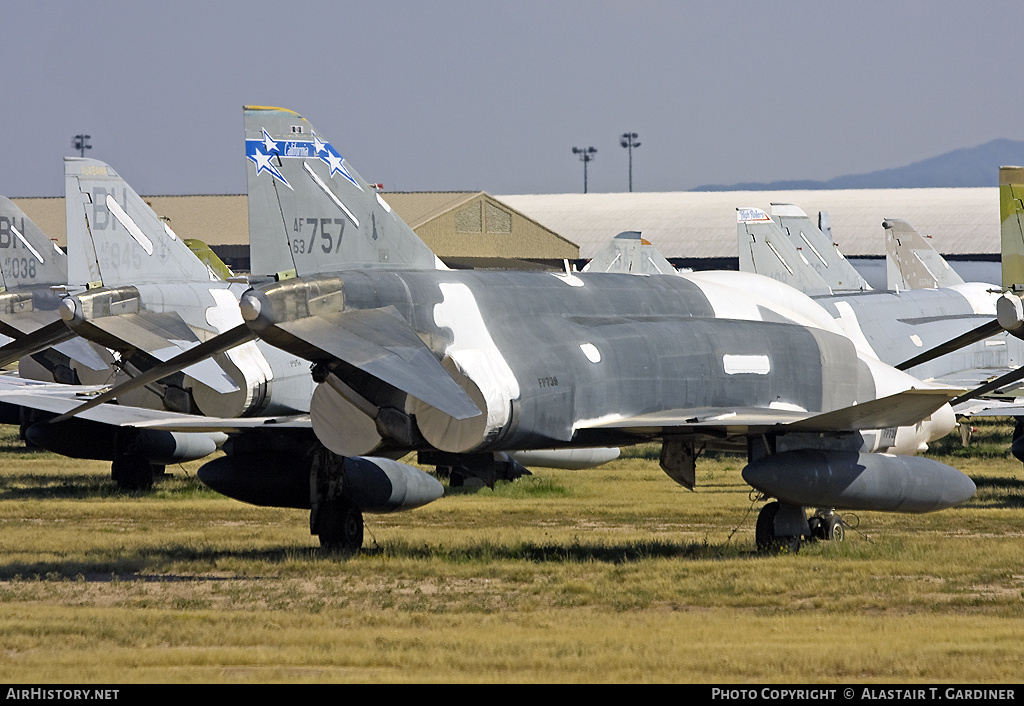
(341, 526)
(132, 473)
(764, 533)
(835, 531)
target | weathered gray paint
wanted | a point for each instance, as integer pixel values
(915, 263)
(28, 259)
(820, 250)
(897, 324)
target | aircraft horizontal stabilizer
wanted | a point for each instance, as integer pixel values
(81, 351)
(39, 340)
(380, 342)
(147, 331)
(34, 322)
(19, 323)
(187, 361)
(1000, 382)
(163, 336)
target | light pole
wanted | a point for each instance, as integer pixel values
(81, 143)
(628, 140)
(586, 154)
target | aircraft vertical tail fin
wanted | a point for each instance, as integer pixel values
(114, 237)
(309, 211)
(765, 249)
(1011, 218)
(821, 251)
(631, 253)
(913, 261)
(28, 259)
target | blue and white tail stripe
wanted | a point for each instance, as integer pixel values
(262, 150)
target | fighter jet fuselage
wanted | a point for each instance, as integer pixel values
(558, 359)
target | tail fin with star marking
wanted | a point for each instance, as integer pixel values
(310, 212)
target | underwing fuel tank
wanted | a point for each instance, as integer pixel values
(569, 459)
(82, 438)
(848, 480)
(275, 479)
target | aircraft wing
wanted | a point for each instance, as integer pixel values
(59, 399)
(972, 378)
(989, 408)
(902, 409)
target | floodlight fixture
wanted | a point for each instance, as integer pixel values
(586, 154)
(629, 141)
(81, 143)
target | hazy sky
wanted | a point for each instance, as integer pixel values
(445, 95)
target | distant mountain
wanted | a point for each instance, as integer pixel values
(972, 166)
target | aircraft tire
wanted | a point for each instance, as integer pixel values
(341, 526)
(834, 529)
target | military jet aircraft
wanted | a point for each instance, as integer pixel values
(629, 252)
(146, 303)
(148, 297)
(895, 326)
(1009, 315)
(912, 262)
(33, 280)
(408, 355)
(822, 254)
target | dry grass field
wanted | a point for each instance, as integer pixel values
(608, 575)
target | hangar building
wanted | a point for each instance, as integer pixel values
(689, 226)
(694, 229)
(465, 229)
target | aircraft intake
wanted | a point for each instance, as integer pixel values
(849, 480)
(275, 479)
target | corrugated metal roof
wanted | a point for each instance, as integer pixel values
(703, 224)
(679, 224)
